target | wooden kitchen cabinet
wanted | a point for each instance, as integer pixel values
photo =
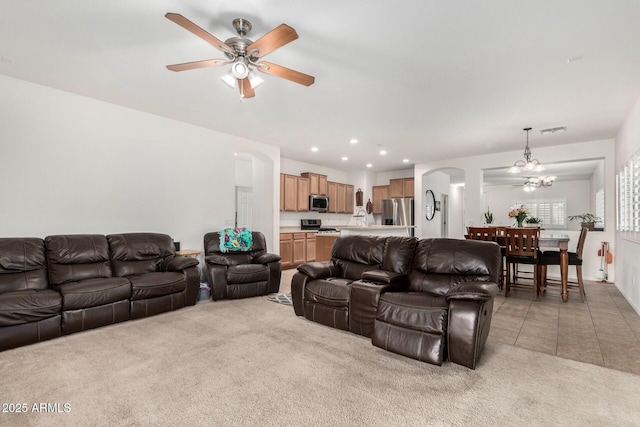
(310, 247)
(317, 183)
(332, 193)
(341, 198)
(296, 249)
(324, 243)
(286, 250)
(322, 185)
(408, 184)
(299, 248)
(401, 187)
(350, 201)
(290, 193)
(379, 193)
(281, 192)
(396, 188)
(303, 194)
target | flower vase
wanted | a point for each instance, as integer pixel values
(520, 223)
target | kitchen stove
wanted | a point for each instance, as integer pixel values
(315, 224)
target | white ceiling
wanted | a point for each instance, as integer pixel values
(424, 79)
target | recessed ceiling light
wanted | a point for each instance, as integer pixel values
(345, 158)
(369, 165)
(314, 149)
(405, 160)
(235, 154)
(383, 152)
(353, 141)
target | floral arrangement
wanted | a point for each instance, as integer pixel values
(519, 214)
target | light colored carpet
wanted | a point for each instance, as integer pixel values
(252, 362)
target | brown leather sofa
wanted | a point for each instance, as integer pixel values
(69, 283)
(343, 293)
(30, 311)
(241, 274)
(433, 302)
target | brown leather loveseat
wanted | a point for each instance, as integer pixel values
(69, 283)
(433, 303)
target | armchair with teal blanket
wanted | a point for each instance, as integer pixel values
(242, 270)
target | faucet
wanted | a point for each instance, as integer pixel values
(361, 217)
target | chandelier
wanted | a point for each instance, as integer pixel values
(528, 164)
(533, 183)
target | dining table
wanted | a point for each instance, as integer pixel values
(560, 241)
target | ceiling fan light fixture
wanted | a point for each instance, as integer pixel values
(240, 69)
(255, 80)
(229, 80)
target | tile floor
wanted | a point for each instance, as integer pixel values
(604, 331)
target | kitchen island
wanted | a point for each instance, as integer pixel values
(377, 230)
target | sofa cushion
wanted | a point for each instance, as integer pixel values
(94, 292)
(356, 254)
(332, 292)
(247, 273)
(139, 253)
(153, 285)
(414, 310)
(26, 306)
(440, 264)
(73, 258)
(23, 264)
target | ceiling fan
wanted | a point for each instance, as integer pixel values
(244, 55)
(532, 183)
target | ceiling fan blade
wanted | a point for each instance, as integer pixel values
(246, 91)
(286, 73)
(204, 35)
(274, 39)
(197, 64)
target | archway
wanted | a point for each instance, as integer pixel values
(447, 186)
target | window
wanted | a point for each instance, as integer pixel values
(628, 199)
(552, 212)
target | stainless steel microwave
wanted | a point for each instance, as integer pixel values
(318, 203)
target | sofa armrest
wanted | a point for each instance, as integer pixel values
(319, 270)
(479, 291)
(179, 263)
(266, 258)
(383, 276)
(216, 260)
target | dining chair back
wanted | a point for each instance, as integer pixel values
(482, 233)
(575, 258)
(522, 247)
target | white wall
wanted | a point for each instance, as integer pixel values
(475, 204)
(627, 253)
(439, 183)
(71, 164)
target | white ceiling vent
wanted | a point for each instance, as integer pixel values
(553, 130)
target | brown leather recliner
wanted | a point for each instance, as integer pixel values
(445, 312)
(343, 293)
(80, 269)
(160, 280)
(241, 274)
(29, 310)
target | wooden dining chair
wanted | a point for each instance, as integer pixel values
(575, 258)
(523, 247)
(481, 233)
(489, 234)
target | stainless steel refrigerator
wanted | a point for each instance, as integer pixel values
(398, 212)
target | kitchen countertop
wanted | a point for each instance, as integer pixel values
(346, 227)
